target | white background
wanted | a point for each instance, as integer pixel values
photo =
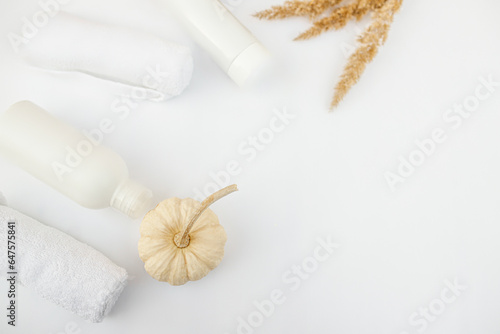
(322, 176)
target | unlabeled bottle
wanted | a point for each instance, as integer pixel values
(229, 43)
(67, 160)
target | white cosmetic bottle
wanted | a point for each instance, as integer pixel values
(230, 44)
(75, 165)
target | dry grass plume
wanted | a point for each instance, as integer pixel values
(335, 14)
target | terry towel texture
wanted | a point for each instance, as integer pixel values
(151, 68)
(61, 269)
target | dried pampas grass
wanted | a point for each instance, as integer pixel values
(335, 14)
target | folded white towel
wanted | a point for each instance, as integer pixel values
(151, 68)
(60, 268)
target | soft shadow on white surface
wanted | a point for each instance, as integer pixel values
(321, 175)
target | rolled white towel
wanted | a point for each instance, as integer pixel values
(152, 68)
(61, 269)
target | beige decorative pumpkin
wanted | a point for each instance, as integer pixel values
(182, 239)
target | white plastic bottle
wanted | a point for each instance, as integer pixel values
(77, 166)
(230, 44)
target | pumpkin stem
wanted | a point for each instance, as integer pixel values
(182, 240)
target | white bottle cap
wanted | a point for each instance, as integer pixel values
(248, 62)
(133, 199)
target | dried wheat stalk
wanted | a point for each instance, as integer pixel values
(311, 9)
(335, 14)
(370, 41)
(340, 16)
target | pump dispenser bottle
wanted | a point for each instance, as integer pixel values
(72, 163)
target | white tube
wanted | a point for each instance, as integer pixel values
(230, 44)
(72, 163)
